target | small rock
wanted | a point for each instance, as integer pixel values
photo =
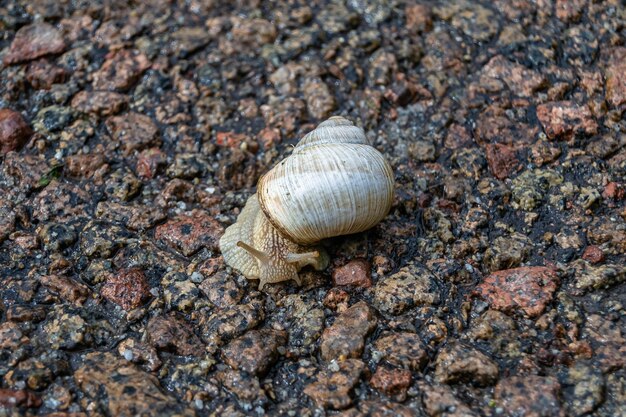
(11, 336)
(337, 299)
(133, 132)
(66, 330)
(101, 103)
(66, 288)
(138, 352)
(411, 286)
(529, 395)
(609, 344)
(14, 131)
(502, 160)
(101, 239)
(333, 385)
(85, 166)
(593, 254)
(53, 118)
(507, 252)
(231, 139)
(119, 388)
(221, 289)
(305, 323)
(346, 337)
(57, 236)
(439, 401)
(228, 323)
(569, 10)
(42, 74)
(500, 72)
(391, 382)
(319, 100)
(34, 41)
(403, 349)
(613, 191)
(615, 74)
(246, 388)
(527, 290)
(253, 32)
(189, 232)
(565, 119)
(120, 70)
(355, 273)
(418, 18)
(13, 398)
(255, 351)
(458, 363)
(128, 289)
(171, 333)
(149, 161)
(136, 217)
(587, 277)
(179, 292)
(584, 389)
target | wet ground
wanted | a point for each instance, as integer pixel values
(132, 135)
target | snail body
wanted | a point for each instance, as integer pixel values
(334, 183)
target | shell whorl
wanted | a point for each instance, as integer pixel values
(333, 184)
(334, 130)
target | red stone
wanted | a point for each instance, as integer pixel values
(101, 103)
(391, 381)
(15, 398)
(502, 160)
(42, 74)
(230, 139)
(120, 71)
(336, 297)
(149, 161)
(133, 132)
(564, 119)
(189, 232)
(355, 273)
(14, 131)
(269, 136)
(526, 290)
(128, 289)
(593, 254)
(614, 191)
(34, 41)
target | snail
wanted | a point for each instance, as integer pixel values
(334, 183)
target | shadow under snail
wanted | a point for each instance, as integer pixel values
(334, 183)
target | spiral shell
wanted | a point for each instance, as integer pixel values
(334, 183)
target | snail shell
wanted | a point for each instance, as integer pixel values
(334, 183)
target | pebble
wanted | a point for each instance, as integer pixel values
(355, 273)
(14, 131)
(411, 286)
(565, 119)
(458, 363)
(255, 351)
(526, 290)
(129, 390)
(530, 395)
(345, 338)
(128, 288)
(190, 232)
(332, 387)
(34, 41)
